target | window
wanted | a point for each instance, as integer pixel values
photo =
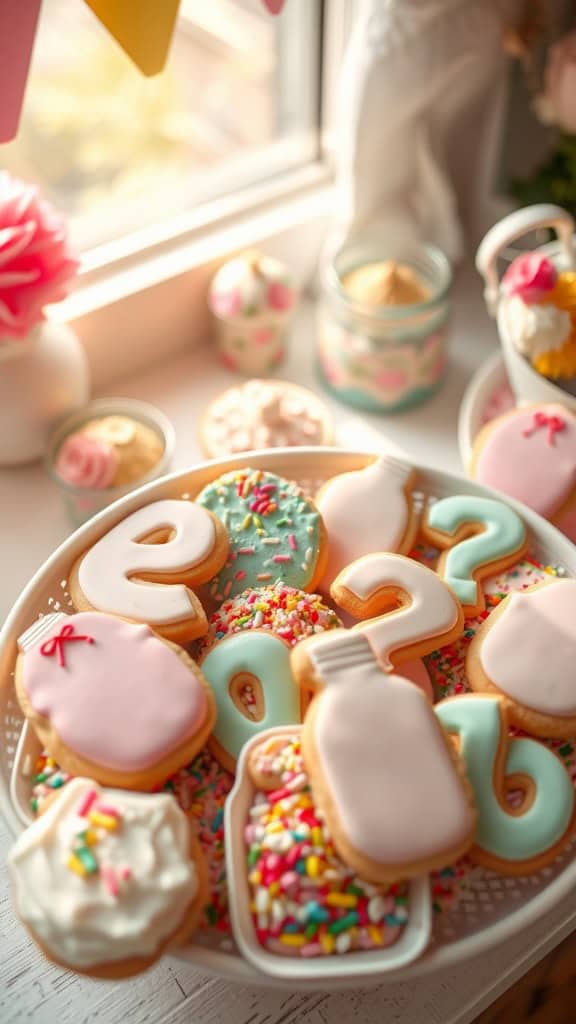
(120, 154)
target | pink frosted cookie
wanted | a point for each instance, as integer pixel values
(530, 454)
(111, 700)
(365, 511)
(264, 414)
(525, 651)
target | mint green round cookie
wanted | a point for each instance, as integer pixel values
(275, 531)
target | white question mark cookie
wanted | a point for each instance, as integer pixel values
(416, 612)
(130, 573)
(381, 767)
(517, 839)
(526, 651)
(262, 661)
(367, 510)
(482, 536)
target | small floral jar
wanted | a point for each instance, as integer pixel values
(252, 299)
(383, 325)
(105, 450)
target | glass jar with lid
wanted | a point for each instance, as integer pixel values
(383, 323)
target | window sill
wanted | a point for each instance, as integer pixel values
(150, 306)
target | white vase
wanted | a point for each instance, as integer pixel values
(42, 378)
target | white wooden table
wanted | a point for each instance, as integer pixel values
(32, 523)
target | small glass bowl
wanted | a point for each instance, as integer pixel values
(83, 502)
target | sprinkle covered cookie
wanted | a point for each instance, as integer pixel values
(275, 531)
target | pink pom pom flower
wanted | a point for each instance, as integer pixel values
(530, 276)
(36, 266)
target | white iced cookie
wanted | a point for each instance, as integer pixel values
(535, 329)
(105, 879)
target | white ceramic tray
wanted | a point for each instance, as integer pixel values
(486, 381)
(494, 908)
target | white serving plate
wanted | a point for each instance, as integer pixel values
(495, 908)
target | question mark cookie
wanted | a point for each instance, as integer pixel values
(410, 609)
(261, 661)
(526, 651)
(145, 567)
(111, 700)
(381, 767)
(367, 510)
(478, 537)
(517, 837)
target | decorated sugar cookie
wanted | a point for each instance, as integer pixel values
(391, 791)
(111, 700)
(105, 880)
(530, 454)
(517, 837)
(526, 651)
(262, 661)
(147, 566)
(478, 537)
(366, 511)
(276, 532)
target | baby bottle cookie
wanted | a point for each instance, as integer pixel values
(526, 651)
(367, 510)
(111, 700)
(105, 881)
(130, 573)
(524, 796)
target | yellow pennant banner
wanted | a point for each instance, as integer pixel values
(143, 28)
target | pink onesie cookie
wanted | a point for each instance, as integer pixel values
(526, 651)
(530, 454)
(111, 700)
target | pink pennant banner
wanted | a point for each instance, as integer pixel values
(18, 22)
(274, 6)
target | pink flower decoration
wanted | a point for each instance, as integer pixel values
(263, 336)
(227, 303)
(85, 462)
(36, 266)
(280, 296)
(392, 380)
(530, 277)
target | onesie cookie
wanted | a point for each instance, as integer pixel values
(145, 568)
(516, 838)
(526, 652)
(478, 537)
(111, 700)
(276, 532)
(530, 454)
(262, 661)
(367, 510)
(105, 880)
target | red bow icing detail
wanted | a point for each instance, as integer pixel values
(55, 645)
(554, 423)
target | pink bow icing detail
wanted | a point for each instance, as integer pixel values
(55, 645)
(554, 423)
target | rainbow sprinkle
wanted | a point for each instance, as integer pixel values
(304, 900)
